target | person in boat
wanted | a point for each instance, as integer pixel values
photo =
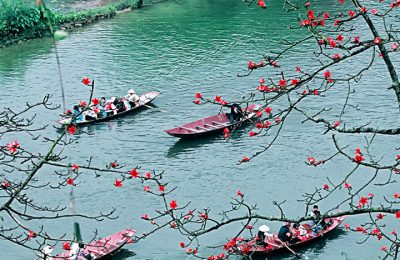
(102, 108)
(103, 102)
(132, 97)
(126, 103)
(110, 107)
(284, 233)
(297, 231)
(90, 115)
(319, 223)
(236, 113)
(77, 113)
(119, 105)
(262, 235)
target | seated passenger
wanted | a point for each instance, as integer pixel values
(77, 113)
(119, 105)
(263, 235)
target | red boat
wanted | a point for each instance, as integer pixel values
(210, 125)
(274, 246)
(99, 249)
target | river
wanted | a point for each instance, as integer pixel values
(181, 47)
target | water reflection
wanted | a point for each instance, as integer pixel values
(123, 254)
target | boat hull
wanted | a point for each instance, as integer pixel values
(210, 125)
(145, 99)
(102, 248)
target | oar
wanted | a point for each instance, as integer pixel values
(298, 255)
(151, 107)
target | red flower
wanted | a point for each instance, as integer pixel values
(336, 124)
(277, 120)
(266, 124)
(394, 232)
(182, 244)
(75, 167)
(161, 188)
(217, 99)
(118, 183)
(396, 195)
(282, 83)
(145, 216)
(262, 4)
(383, 248)
(249, 227)
(114, 164)
(259, 113)
(203, 216)
(311, 14)
(341, 1)
(172, 225)
(315, 92)
(340, 38)
(379, 216)
(374, 11)
(72, 129)
(134, 173)
(66, 246)
(95, 101)
(31, 234)
(295, 82)
(86, 81)
(337, 22)
(351, 13)
(326, 15)
(148, 175)
(363, 201)
(326, 187)
(356, 39)
(82, 103)
(5, 184)
(173, 204)
(245, 159)
(70, 181)
(347, 185)
(347, 226)
(226, 133)
(370, 195)
(253, 134)
(336, 56)
(332, 44)
(397, 214)
(223, 102)
(197, 101)
(327, 74)
(198, 95)
(377, 40)
(298, 69)
(358, 158)
(240, 194)
(146, 188)
(262, 81)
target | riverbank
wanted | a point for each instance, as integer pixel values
(21, 21)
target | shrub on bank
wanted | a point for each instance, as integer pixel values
(21, 20)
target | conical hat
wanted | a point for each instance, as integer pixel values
(264, 228)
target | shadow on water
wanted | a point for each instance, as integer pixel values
(312, 250)
(122, 254)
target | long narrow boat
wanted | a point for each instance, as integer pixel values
(210, 125)
(274, 246)
(145, 99)
(100, 249)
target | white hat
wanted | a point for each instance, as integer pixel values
(113, 99)
(131, 91)
(47, 250)
(263, 228)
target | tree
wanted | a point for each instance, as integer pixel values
(340, 41)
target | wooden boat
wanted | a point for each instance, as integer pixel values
(274, 246)
(145, 99)
(210, 125)
(100, 249)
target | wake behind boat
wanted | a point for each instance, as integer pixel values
(273, 245)
(99, 249)
(90, 116)
(211, 125)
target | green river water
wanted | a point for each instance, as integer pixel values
(181, 47)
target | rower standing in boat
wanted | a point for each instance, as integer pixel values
(236, 113)
(77, 113)
(132, 97)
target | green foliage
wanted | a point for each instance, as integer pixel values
(21, 20)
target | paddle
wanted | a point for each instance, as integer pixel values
(298, 255)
